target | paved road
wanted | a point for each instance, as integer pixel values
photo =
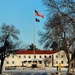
(46, 71)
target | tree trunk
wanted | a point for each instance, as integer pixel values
(69, 62)
(1, 66)
(69, 66)
(69, 69)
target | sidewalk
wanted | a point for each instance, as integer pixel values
(46, 70)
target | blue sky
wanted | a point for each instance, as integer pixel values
(20, 13)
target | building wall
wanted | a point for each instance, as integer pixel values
(60, 57)
(16, 60)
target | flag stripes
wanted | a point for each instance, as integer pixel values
(38, 14)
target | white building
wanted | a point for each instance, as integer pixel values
(41, 58)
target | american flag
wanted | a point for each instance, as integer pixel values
(38, 14)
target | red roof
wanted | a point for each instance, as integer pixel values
(36, 52)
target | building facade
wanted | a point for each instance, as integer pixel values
(26, 58)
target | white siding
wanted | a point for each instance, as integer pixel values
(16, 60)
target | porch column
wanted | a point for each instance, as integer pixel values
(42, 64)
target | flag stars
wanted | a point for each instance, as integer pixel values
(38, 14)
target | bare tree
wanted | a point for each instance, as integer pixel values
(60, 26)
(8, 43)
(47, 61)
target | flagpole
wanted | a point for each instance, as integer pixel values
(36, 13)
(34, 34)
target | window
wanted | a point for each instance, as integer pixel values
(49, 56)
(34, 56)
(61, 56)
(56, 56)
(56, 62)
(45, 56)
(7, 56)
(62, 62)
(40, 62)
(19, 56)
(12, 62)
(29, 57)
(24, 61)
(29, 62)
(24, 56)
(13, 56)
(40, 57)
(7, 62)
